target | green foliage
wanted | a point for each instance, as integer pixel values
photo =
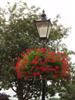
(53, 99)
(68, 93)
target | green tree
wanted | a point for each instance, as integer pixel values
(17, 33)
(68, 92)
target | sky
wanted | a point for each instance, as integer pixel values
(66, 10)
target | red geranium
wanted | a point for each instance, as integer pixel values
(42, 63)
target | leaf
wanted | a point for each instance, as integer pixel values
(13, 8)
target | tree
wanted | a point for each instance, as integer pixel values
(17, 33)
(68, 92)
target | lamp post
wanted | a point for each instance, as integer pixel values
(43, 27)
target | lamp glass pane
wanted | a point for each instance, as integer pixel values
(48, 31)
(42, 27)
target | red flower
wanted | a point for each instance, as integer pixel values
(57, 67)
(55, 76)
(42, 62)
(52, 69)
(36, 73)
(43, 69)
(35, 60)
(43, 50)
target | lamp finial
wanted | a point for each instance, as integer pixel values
(43, 16)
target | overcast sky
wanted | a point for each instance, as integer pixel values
(65, 8)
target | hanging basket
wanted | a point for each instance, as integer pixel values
(43, 64)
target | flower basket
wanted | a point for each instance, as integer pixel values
(43, 64)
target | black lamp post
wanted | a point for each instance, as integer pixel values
(43, 26)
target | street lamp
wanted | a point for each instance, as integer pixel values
(43, 27)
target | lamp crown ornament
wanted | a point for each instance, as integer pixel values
(43, 15)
